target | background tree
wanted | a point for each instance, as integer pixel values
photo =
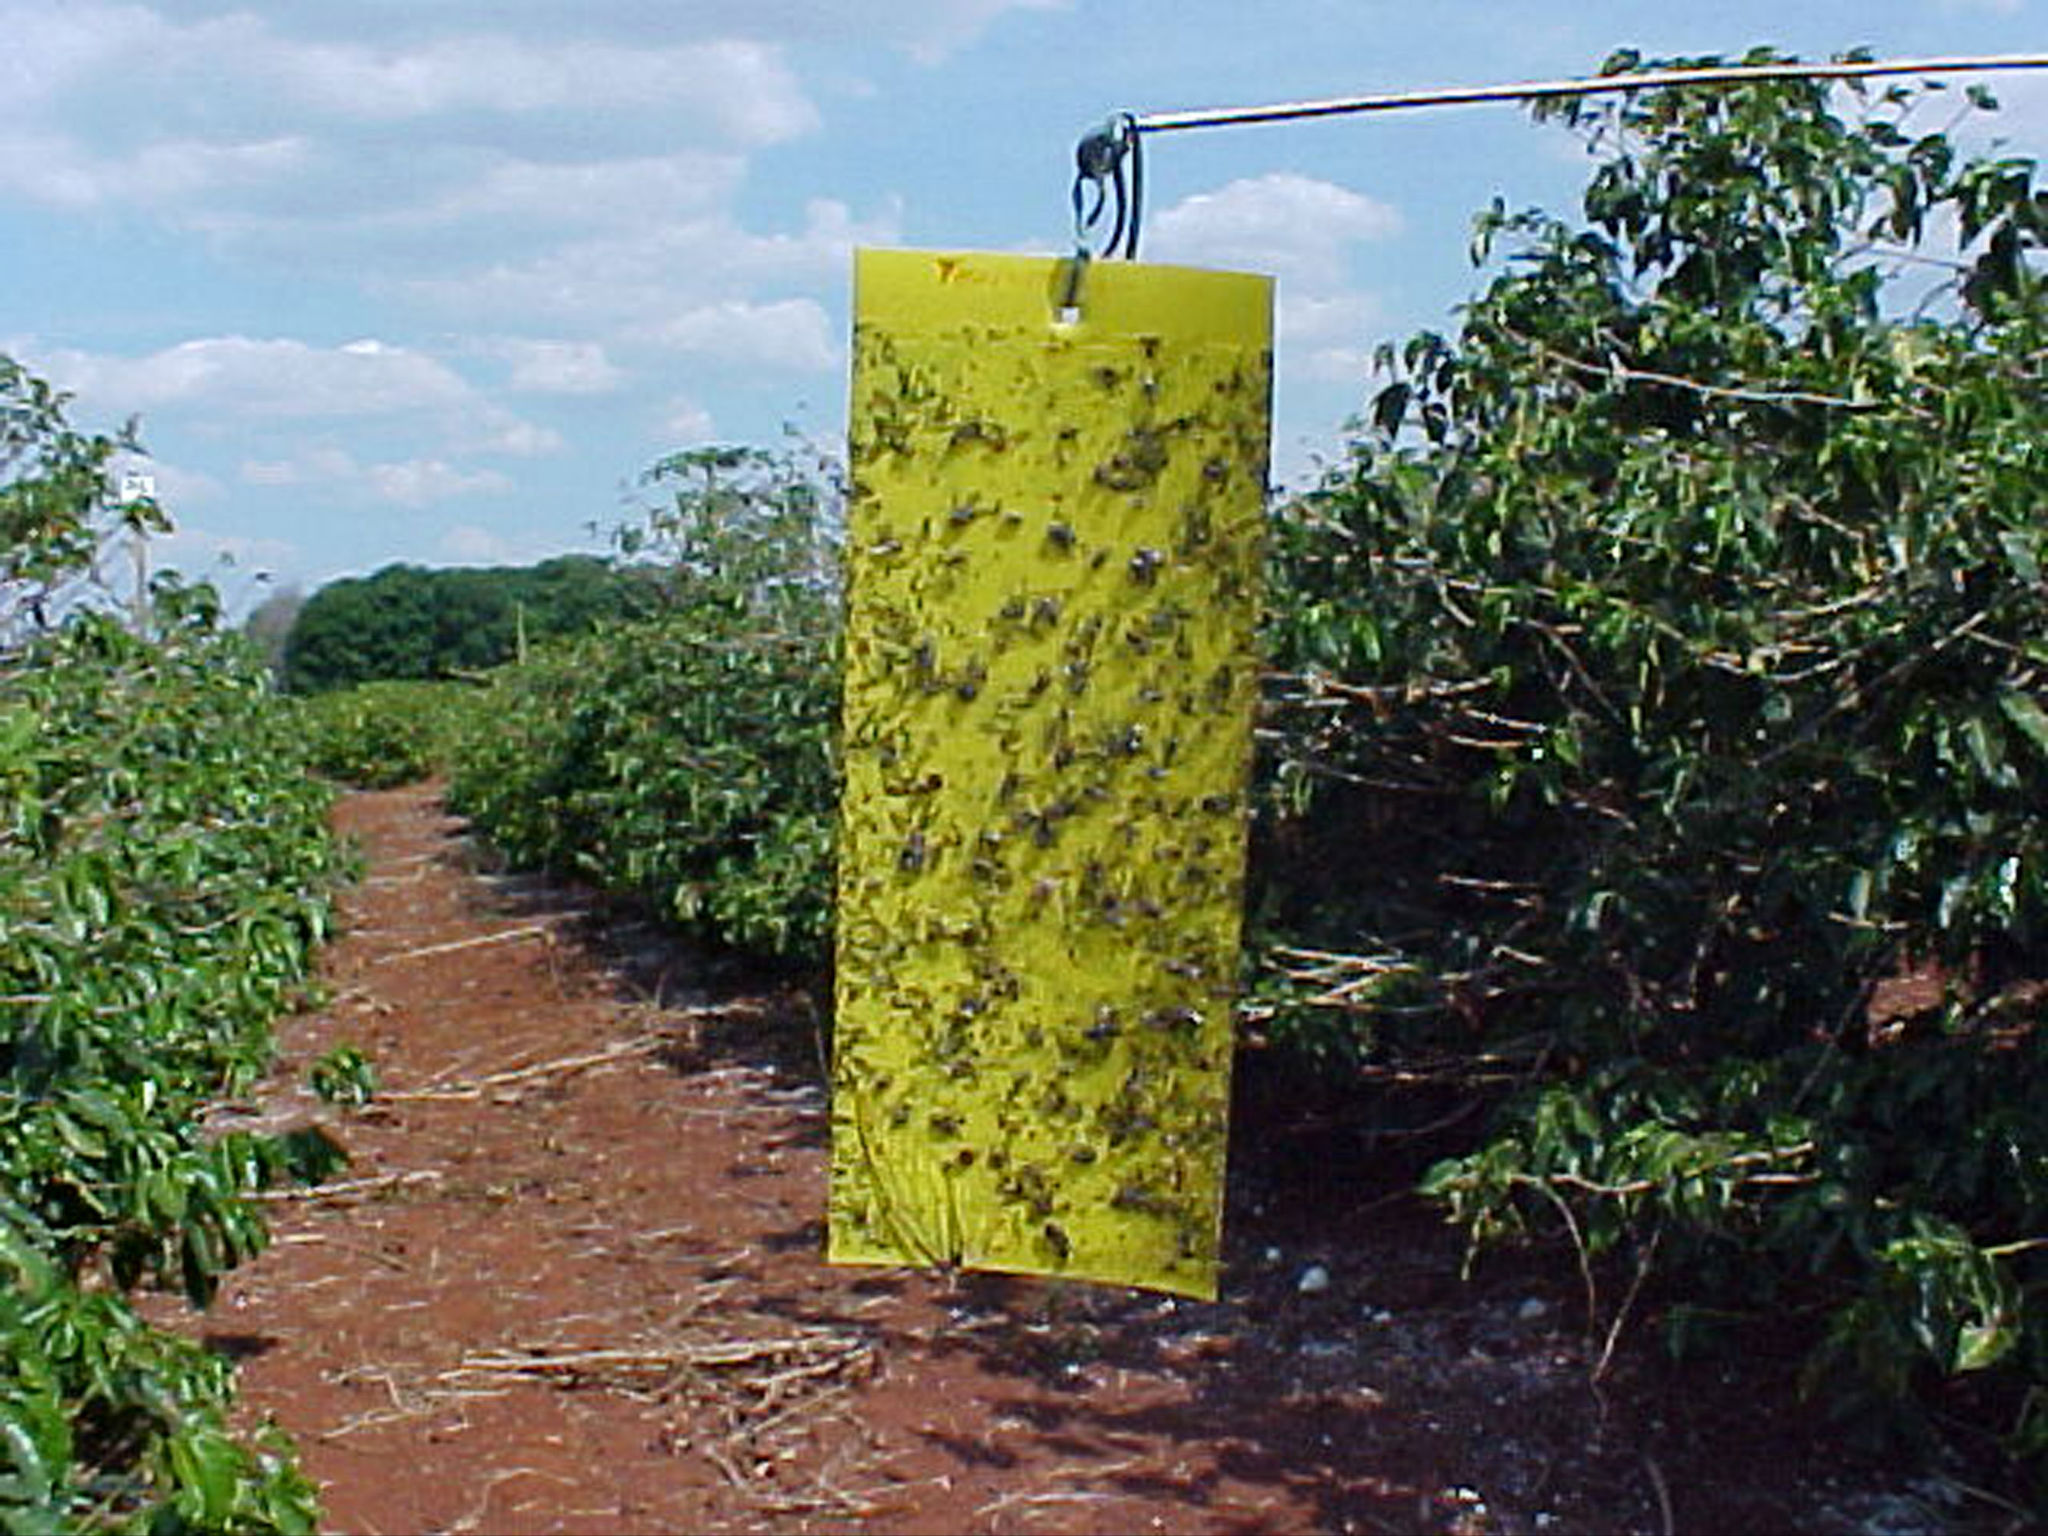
(410, 622)
(1668, 692)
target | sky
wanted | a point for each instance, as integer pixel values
(437, 280)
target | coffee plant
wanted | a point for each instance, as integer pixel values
(344, 1075)
(686, 760)
(382, 734)
(1666, 710)
(164, 864)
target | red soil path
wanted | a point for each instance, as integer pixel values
(572, 1282)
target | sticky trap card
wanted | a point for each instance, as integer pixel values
(1054, 555)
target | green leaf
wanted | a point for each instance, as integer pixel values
(83, 1141)
(2027, 715)
(1984, 750)
(31, 1467)
(209, 1469)
(2019, 549)
(100, 1109)
(1861, 885)
(1982, 1345)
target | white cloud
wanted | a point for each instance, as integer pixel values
(558, 367)
(51, 48)
(790, 333)
(473, 544)
(942, 28)
(1296, 227)
(412, 483)
(204, 553)
(930, 30)
(422, 482)
(1304, 232)
(223, 384)
(276, 377)
(572, 170)
(237, 126)
(319, 466)
(427, 201)
(639, 286)
(51, 168)
(686, 424)
(630, 191)
(1329, 337)
(502, 434)
(741, 88)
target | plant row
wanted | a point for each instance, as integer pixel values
(1657, 748)
(164, 864)
(1669, 699)
(685, 760)
(382, 734)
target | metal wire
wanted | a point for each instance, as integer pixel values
(1603, 85)
(1110, 161)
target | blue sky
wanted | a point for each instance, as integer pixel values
(434, 280)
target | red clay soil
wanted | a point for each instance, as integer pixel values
(572, 1282)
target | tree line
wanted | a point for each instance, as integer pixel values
(412, 622)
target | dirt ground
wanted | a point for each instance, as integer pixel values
(572, 1282)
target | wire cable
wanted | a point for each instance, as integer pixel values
(1110, 170)
(1602, 85)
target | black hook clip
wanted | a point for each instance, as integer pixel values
(1108, 164)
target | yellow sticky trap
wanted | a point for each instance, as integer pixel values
(1054, 570)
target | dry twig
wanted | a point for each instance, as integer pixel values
(1663, 1489)
(752, 1398)
(640, 1045)
(350, 1189)
(508, 936)
(665, 1360)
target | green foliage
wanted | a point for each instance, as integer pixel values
(163, 882)
(1674, 638)
(54, 503)
(343, 1075)
(163, 867)
(376, 735)
(407, 622)
(686, 759)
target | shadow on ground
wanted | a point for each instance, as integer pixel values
(1352, 1367)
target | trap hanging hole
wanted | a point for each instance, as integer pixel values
(1070, 279)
